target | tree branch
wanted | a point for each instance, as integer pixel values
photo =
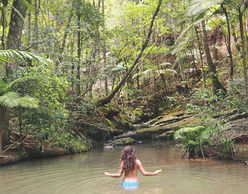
(107, 99)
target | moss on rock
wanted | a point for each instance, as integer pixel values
(121, 141)
(109, 123)
(137, 115)
(164, 124)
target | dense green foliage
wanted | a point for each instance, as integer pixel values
(67, 55)
(193, 141)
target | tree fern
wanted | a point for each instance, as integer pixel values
(9, 55)
(12, 99)
(198, 6)
(18, 80)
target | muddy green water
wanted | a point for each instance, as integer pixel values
(83, 174)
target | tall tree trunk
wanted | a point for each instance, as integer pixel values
(181, 67)
(214, 38)
(138, 79)
(13, 42)
(229, 42)
(15, 30)
(235, 38)
(95, 53)
(73, 66)
(62, 48)
(107, 99)
(3, 26)
(104, 54)
(2, 111)
(3, 39)
(200, 53)
(79, 46)
(36, 25)
(1, 143)
(243, 53)
(4, 127)
(179, 52)
(16, 25)
(216, 83)
(29, 28)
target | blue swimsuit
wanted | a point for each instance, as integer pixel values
(129, 185)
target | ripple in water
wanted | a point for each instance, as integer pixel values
(83, 174)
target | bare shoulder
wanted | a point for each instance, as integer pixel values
(138, 162)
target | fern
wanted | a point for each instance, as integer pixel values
(12, 99)
(22, 79)
(191, 140)
(8, 55)
(198, 6)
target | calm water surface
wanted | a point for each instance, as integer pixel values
(83, 174)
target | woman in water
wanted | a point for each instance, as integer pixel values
(130, 166)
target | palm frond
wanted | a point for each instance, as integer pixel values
(9, 99)
(33, 56)
(198, 21)
(143, 73)
(12, 99)
(22, 79)
(165, 64)
(164, 71)
(199, 9)
(198, 6)
(18, 12)
(28, 102)
(4, 59)
(29, 6)
(6, 55)
(149, 64)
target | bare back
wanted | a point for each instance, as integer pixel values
(128, 155)
(131, 175)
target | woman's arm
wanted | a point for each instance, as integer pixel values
(142, 170)
(115, 175)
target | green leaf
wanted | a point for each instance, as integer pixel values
(12, 99)
(9, 99)
(29, 6)
(6, 55)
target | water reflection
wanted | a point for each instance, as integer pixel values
(83, 174)
(138, 191)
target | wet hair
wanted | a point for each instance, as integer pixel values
(128, 157)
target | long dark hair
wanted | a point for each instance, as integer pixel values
(128, 157)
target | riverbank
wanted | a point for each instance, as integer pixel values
(164, 127)
(14, 155)
(160, 128)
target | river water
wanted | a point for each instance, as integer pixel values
(83, 174)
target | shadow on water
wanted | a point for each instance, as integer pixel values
(83, 174)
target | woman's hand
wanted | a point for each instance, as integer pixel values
(106, 174)
(157, 172)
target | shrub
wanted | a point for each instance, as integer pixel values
(193, 140)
